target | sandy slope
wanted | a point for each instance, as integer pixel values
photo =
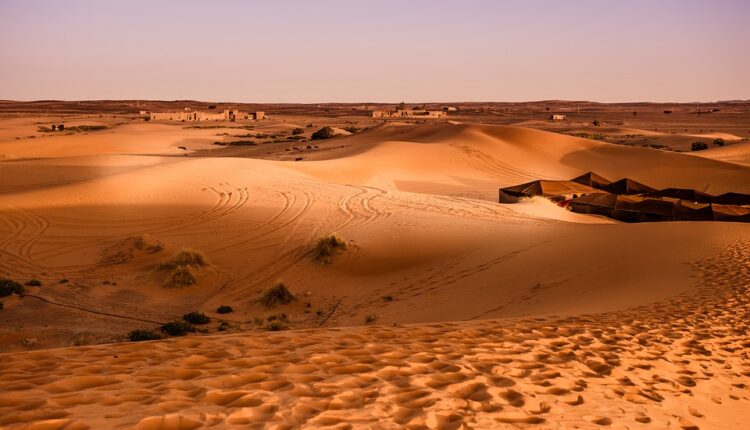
(739, 153)
(680, 363)
(417, 207)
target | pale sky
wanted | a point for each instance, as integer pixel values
(277, 51)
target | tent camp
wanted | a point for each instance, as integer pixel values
(630, 201)
(554, 190)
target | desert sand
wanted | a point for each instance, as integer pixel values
(445, 310)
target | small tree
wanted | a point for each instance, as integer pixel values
(698, 146)
(402, 106)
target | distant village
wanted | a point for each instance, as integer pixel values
(196, 116)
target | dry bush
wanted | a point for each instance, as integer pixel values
(277, 325)
(279, 294)
(141, 335)
(327, 247)
(182, 276)
(196, 318)
(177, 328)
(8, 287)
(183, 258)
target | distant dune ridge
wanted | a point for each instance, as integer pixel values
(483, 315)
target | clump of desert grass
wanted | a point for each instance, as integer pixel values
(183, 258)
(182, 265)
(327, 247)
(181, 276)
(279, 294)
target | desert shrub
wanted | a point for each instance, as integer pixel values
(61, 127)
(258, 321)
(323, 133)
(388, 298)
(326, 248)
(177, 328)
(595, 123)
(43, 129)
(719, 142)
(224, 326)
(280, 317)
(279, 294)
(34, 283)
(63, 281)
(237, 143)
(667, 112)
(298, 130)
(212, 106)
(88, 127)
(185, 257)
(277, 325)
(196, 318)
(223, 309)
(351, 129)
(182, 276)
(698, 146)
(370, 318)
(309, 126)
(141, 335)
(8, 287)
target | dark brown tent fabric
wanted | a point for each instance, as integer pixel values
(515, 193)
(627, 186)
(688, 212)
(597, 203)
(732, 199)
(554, 190)
(682, 194)
(593, 180)
(648, 210)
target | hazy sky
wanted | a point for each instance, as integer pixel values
(354, 51)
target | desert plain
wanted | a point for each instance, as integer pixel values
(438, 307)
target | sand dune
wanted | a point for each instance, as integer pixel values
(601, 323)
